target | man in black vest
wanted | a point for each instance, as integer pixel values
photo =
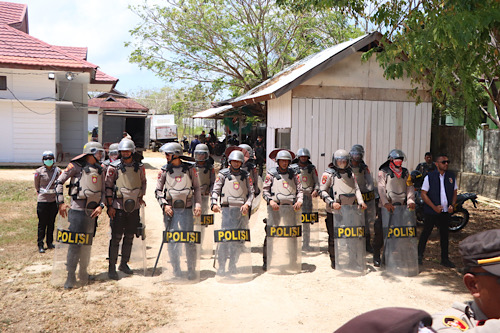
(439, 192)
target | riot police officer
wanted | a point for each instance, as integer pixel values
(178, 187)
(250, 167)
(205, 168)
(46, 209)
(338, 187)
(234, 188)
(113, 155)
(281, 187)
(308, 175)
(87, 193)
(395, 189)
(365, 182)
(125, 187)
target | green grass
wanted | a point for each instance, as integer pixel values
(18, 219)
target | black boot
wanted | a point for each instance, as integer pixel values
(376, 258)
(112, 274)
(70, 281)
(125, 269)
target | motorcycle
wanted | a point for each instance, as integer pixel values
(460, 216)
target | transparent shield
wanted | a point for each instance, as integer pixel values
(310, 226)
(207, 229)
(233, 257)
(258, 198)
(400, 241)
(182, 238)
(74, 237)
(350, 251)
(284, 233)
(138, 255)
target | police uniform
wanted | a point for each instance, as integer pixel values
(46, 209)
(125, 188)
(366, 186)
(251, 169)
(206, 174)
(87, 192)
(425, 168)
(179, 187)
(284, 188)
(394, 189)
(231, 189)
(308, 175)
(481, 256)
(337, 186)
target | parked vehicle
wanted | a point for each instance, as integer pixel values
(162, 130)
(460, 216)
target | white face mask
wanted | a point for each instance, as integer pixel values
(48, 163)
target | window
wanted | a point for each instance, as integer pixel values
(3, 82)
(282, 138)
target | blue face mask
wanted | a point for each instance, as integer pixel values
(48, 163)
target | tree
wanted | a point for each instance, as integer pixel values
(451, 45)
(235, 44)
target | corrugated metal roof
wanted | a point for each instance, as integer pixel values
(116, 103)
(213, 112)
(303, 70)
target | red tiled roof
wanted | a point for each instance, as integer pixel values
(103, 77)
(118, 104)
(75, 51)
(20, 50)
(11, 13)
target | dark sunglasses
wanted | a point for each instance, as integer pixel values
(486, 274)
(48, 158)
(445, 162)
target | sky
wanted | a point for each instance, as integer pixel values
(100, 25)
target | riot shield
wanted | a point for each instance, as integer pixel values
(207, 229)
(182, 236)
(258, 198)
(138, 254)
(233, 256)
(74, 237)
(350, 251)
(310, 226)
(400, 241)
(284, 234)
(370, 214)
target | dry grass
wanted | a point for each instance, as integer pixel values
(28, 301)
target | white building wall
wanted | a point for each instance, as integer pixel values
(6, 150)
(73, 120)
(278, 116)
(325, 125)
(28, 85)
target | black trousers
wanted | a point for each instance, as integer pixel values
(442, 221)
(124, 225)
(47, 212)
(331, 236)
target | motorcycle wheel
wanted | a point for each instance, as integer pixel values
(459, 220)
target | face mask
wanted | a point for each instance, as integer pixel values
(398, 163)
(48, 163)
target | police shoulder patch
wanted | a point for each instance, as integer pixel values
(452, 321)
(70, 166)
(323, 179)
(159, 174)
(36, 174)
(268, 178)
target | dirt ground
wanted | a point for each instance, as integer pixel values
(318, 299)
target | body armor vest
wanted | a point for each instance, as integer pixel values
(306, 177)
(128, 185)
(344, 188)
(204, 173)
(395, 187)
(359, 173)
(283, 190)
(234, 192)
(88, 186)
(178, 184)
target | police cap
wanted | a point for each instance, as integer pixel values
(482, 250)
(389, 320)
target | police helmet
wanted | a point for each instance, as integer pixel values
(340, 155)
(284, 155)
(247, 148)
(236, 155)
(92, 148)
(357, 152)
(126, 144)
(303, 152)
(47, 155)
(172, 148)
(113, 148)
(201, 152)
(396, 154)
(416, 178)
